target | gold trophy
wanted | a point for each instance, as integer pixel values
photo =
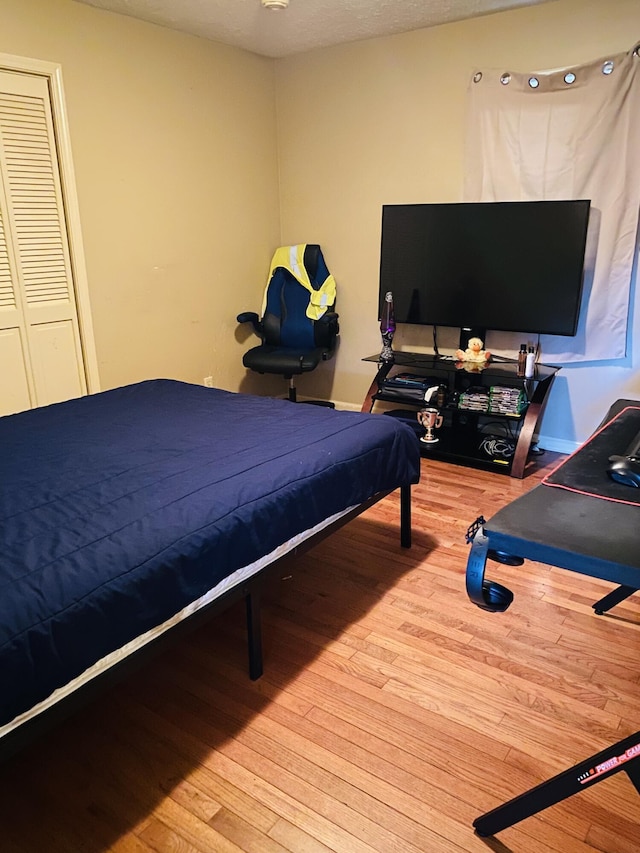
(429, 419)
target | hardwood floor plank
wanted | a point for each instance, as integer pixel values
(129, 844)
(239, 831)
(295, 840)
(392, 711)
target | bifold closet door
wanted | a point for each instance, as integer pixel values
(41, 358)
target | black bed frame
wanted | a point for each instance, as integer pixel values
(250, 590)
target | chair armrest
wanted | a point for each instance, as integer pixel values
(254, 319)
(329, 318)
(327, 329)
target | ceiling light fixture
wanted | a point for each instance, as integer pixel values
(275, 4)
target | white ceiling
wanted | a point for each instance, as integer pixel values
(306, 24)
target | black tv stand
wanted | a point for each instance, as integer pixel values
(489, 439)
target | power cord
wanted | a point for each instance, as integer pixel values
(498, 427)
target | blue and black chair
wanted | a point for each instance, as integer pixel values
(299, 327)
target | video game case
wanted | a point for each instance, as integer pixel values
(410, 380)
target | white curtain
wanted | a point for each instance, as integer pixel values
(567, 134)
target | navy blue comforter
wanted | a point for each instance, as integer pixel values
(118, 509)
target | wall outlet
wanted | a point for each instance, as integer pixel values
(208, 381)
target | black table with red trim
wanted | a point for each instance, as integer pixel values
(576, 519)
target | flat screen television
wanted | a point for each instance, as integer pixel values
(508, 266)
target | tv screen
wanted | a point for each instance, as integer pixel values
(508, 266)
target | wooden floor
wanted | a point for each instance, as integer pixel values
(392, 711)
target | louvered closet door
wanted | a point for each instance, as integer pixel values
(40, 348)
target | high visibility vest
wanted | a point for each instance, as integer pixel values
(291, 258)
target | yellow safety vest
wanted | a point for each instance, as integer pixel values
(291, 258)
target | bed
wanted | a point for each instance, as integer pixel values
(125, 515)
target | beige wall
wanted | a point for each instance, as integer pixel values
(382, 122)
(174, 146)
(194, 161)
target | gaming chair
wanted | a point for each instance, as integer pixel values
(297, 329)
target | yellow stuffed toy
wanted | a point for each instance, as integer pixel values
(474, 352)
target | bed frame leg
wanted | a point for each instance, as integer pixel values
(254, 633)
(405, 516)
(252, 598)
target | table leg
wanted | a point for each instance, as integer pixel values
(611, 599)
(383, 369)
(623, 755)
(531, 418)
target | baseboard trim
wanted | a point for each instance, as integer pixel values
(557, 445)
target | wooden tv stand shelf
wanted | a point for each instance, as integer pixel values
(491, 437)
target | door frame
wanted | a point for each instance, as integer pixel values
(52, 72)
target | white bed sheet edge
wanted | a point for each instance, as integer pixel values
(105, 663)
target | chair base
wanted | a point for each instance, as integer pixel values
(326, 403)
(293, 396)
